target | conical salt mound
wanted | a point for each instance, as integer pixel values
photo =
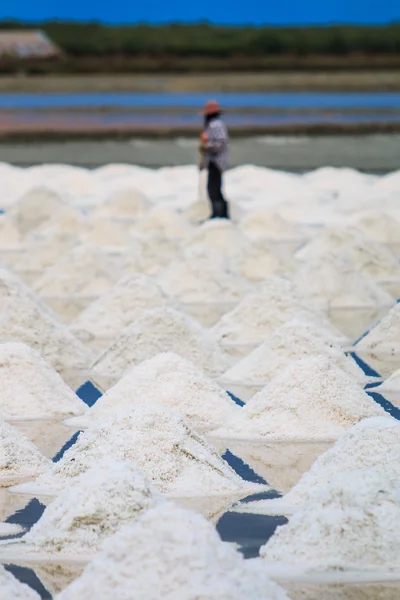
(107, 234)
(12, 589)
(34, 207)
(177, 460)
(347, 525)
(126, 203)
(380, 227)
(19, 458)
(28, 323)
(292, 341)
(171, 553)
(10, 237)
(118, 308)
(85, 271)
(261, 312)
(93, 507)
(172, 381)
(385, 336)
(68, 220)
(391, 384)
(168, 222)
(218, 236)
(259, 258)
(160, 330)
(263, 223)
(31, 389)
(331, 282)
(212, 279)
(149, 254)
(44, 252)
(312, 399)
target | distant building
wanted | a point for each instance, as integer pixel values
(27, 44)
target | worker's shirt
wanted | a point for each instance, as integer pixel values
(217, 144)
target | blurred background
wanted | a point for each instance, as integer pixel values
(302, 84)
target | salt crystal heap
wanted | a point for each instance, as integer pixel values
(128, 299)
(125, 203)
(26, 321)
(160, 330)
(379, 226)
(331, 282)
(259, 258)
(292, 341)
(34, 207)
(93, 507)
(263, 311)
(107, 235)
(312, 399)
(177, 460)
(12, 589)
(167, 221)
(373, 260)
(10, 237)
(373, 443)
(148, 254)
(85, 271)
(31, 389)
(264, 223)
(218, 236)
(171, 553)
(172, 381)
(391, 384)
(211, 280)
(347, 525)
(68, 220)
(19, 458)
(384, 336)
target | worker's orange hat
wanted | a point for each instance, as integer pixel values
(211, 107)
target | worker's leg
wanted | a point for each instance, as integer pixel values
(214, 187)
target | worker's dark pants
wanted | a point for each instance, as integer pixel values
(214, 188)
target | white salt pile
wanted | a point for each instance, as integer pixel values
(93, 507)
(45, 252)
(347, 525)
(161, 330)
(391, 384)
(370, 258)
(85, 271)
(156, 438)
(263, 311)
(169, 380)
(19, 458)
(385, 336)
(67, 220)
(292, 341)
(259, 258)
(218, 236)
(12, 589)
(124, 203)
(373, 443)
(380, 227)
(149, 253)
(312, 399)
(167, 221)
(28, 323)
(263, 223)
(211, 280)
(31, 389)
(171, 553)
(114, 310)
(10, 237)
(331, 282)
(109, 235)
(34, 207)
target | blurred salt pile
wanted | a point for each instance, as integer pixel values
(184, 551)
(12, 589)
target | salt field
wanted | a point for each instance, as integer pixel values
(199, 408)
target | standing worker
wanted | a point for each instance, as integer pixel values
(214, 157)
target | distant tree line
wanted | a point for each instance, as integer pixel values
(205, 42)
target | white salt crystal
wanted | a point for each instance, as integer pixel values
(391, 384)
(19, 458)
(259, 259)
(379, 226)
(167, 221)
(349, 524)
(312, 399)
(114, 310)
(31, 389)
(171, 553)
(125, 203)
(263, 223)
(263, 311)
(149, 254)
(219, 236)
(34, 207)
(177, 460)
(169, 380)
(10, 237)
(200, 276)
(67, 220)
(95, 505)
(385, 336)
(331, 282)
(161, 330)
(292, 341)
(106, 234)
(12, 589)
(85, 271)
(45, 251)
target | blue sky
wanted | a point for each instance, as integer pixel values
(219, 11)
